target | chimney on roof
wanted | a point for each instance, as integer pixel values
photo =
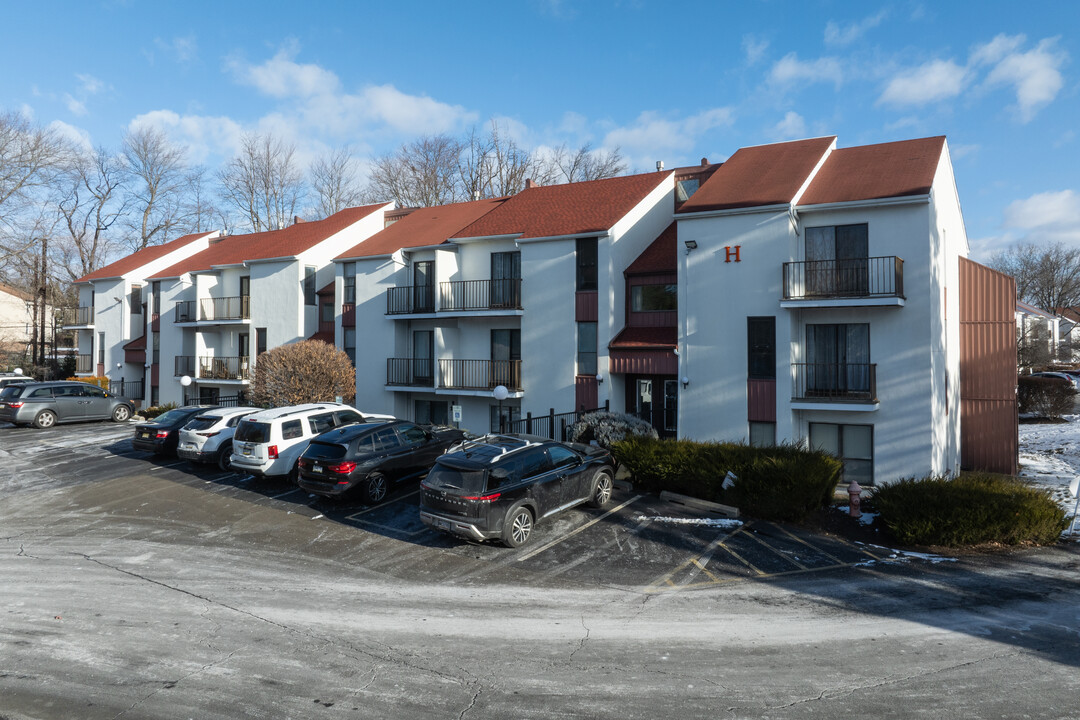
(704, 161)
(659, 166)
(529, 183)
(476, 193)
(296, 220)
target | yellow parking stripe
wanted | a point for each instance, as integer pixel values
(569, 535)
(783, 555)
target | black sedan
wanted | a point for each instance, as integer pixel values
(162, 434)
(372, 457)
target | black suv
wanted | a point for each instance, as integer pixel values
(372, 457)
(162, 434)
(500, 486)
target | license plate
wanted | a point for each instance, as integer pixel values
(317, 468)
(247, 451)
(144, 435)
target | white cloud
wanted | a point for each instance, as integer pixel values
(960, 151)
(836, 35)
(203, 135)
(1035, 75)
(281, 77)
(755, 48)
(653, 136)
(79, 137)
(90, 84)
(76, 107)
(931, 82)
(993, 51)
(1045, 211)
(183, 49)
(790, 70)
(793, 126)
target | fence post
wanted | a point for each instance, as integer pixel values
(528, 423)
(607, 405)
(551, 423)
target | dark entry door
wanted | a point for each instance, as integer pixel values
(654, 399)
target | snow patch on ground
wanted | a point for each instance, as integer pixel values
(711, 522)
(1050, 458)
(867, 518)
(903, 555)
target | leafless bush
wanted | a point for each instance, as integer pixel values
(1045, 396)
(303, 372)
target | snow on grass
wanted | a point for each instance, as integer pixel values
(710, 522)
(867, 518)
(1050, 458)
(903, 555)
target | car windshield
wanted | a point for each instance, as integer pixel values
(11, 391)
(202, 423)
(171, 417)
(443, 477)
(324, 451)
(256, 432)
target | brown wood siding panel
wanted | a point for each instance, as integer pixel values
(585, 308)
(643, 362)
(154, 375)
(659, 318)
(761, 400)
(988, 415)
(135, 356)
(586, 392)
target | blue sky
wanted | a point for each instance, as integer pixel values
(661, 80)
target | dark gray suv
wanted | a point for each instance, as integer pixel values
(44, 404)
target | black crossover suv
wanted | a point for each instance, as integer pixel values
(500, 486)
(372, 457)
(162, 434)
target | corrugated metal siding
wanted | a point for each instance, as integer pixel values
(585, 391)
(988, 419)
(585, 306)
(761, 400)
(643, 362)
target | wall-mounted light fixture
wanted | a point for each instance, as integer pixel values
(599, 379)
(685, 381)
(690, 245)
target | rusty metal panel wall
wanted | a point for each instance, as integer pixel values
(988, 417)
(643, 362)
(761, 400)
(585, 391)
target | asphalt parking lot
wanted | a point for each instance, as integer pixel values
(638, 542)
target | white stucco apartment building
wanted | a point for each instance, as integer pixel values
(242, 295)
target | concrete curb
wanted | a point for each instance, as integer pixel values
(725, 510)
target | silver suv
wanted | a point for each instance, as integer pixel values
(44, 404)
(207, 438)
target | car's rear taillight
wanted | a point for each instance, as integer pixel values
(482, 498)
(162, 434)
(271, 452)
(208, 434)
(342, 468)
(15, 405)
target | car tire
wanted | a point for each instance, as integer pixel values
(294, 474)
(224, 458)
(45, 419)
(602, 486)
(375, 488)
(121, 413)
(518, 527)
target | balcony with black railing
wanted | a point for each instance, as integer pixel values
(225, 308)
(480, 374)
(184, 365)
(840, 383)
(410, 299)
(77, 317)
(849, 282)
(473, 295)
(224, 368)
(410, 372)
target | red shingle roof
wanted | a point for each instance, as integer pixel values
(645, 338)
(660, 256)
(137, 259)
(761, 175)
(422, 227)
(870, 172)
(138, 343)
(572, 209)
(286, 242)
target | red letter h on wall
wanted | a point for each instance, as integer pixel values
(728, 253)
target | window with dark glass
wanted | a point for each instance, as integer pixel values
(838, 357)
(837, 259)
(431, 412)
(852, 444)
(423, 286)
(309, 285)
(349, 344)
(761, 345)
(348, 271)
(136, 300)
(586, 348)
(327, 313)
(586, 257)
(101, 348)
(762, 434)
(506, 279)
(260, 341)
(685, 188)
(155, 340)
(671, 405)
(155, 297)
(653, 298)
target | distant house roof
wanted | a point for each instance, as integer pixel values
(660, 256)
(141, 257)
(138, 343)
(16, 292)
(1023, 307)
(758, 176)
(286, 242)
(1072, 314)
(645, 338)
(422, 227)
(871, 172)
(594, 206)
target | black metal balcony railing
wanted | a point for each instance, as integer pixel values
(848, 278)
(76, 316)
(410, 299)
(224, 368)
(419, 372)
(841, 382)
(184, 365)
(480, 295)
(225, 308)
(480, 374)
(185, 311)
(84, 364)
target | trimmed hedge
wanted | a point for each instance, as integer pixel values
(1046, 397)
(786, 482)
(972, 509)
(101, 382)
(154, 410)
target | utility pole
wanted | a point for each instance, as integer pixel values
(40, 355)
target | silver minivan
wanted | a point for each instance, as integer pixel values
(44, 404)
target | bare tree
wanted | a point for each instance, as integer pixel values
(335, 182)
(307, 371)
(1047, 276)
(199, 210)
(420, 174)
(263, 182)
(585, 163)
(494, 165)
(156, 186)
(30, 158)
(92, 205)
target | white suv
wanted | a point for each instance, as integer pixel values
(270, 442)
(207, 438)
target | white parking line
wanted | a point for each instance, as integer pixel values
(569, 535)
(376, 507)
(290, 492)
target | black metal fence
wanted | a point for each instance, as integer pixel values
(502, 294)
(553, 425)
(76, 316)
(418, 372)
(844, 278)
(221, 400)
(131, 389)
(843, 382)
(410, 299)
(480, 374)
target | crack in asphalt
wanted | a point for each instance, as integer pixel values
(170, 684)
(22, 553)
(581, 643)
